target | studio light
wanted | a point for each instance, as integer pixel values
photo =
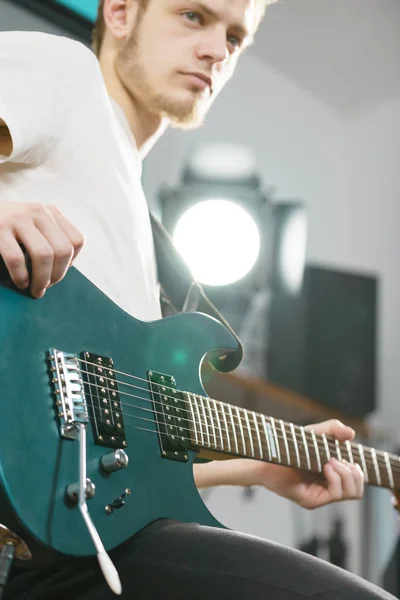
(206, 230)
(215, 214)
(238, 242)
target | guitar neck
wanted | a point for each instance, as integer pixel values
(222, 428)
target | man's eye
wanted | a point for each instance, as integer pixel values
(192, 16)
(234, 41)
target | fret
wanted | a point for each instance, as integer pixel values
(199, 418)
(196, 438)
(258, 435)
(226, 427)
(363, 463)
(296, 447)
(349, 452)
(376, 466)
(275, 435)
(234, 428)
(316, 449)
(203, 408)
(338, 453)
(218, 423)
(266, 432)
(212, 421)
(303, 433)
(285, 441)
(389, 470)
(241, 430)
(326, 446)
(250, 433)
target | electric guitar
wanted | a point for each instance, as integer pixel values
(103, 416)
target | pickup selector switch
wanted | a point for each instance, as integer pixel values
(114, 461)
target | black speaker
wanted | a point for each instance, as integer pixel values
(323, 341)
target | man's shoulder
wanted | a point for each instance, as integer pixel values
(46, 46)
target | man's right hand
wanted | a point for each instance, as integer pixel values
(50, 240)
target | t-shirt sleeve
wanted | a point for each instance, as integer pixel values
(42, 78)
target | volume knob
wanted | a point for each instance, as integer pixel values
(114, 461)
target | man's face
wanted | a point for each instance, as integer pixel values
(174, 45)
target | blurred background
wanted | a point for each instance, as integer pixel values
(292, 188)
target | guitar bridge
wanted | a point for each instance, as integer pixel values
(69, 391)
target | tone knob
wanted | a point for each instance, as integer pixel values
(114, 461)
(72, 491)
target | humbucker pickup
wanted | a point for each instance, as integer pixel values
(170, 412)
(103, 400)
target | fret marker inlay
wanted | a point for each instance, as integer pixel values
(271, 441)
(267, 438)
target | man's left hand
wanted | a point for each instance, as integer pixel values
(339, 480)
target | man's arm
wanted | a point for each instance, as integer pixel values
(6, 144)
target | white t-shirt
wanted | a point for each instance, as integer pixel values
(73, 148)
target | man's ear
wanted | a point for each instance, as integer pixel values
(119, 17)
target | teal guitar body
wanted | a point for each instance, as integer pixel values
(38, 464)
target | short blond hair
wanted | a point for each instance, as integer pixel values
(99, 25)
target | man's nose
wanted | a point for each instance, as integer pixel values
(214, 47)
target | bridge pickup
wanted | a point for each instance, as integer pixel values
(103, 400)
(170, 413)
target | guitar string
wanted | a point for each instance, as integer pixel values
(134, 377)
(380, 459)
(274, 463)
(166, 387)
(148, 391)
(242, 423)
(190, 420)
(320, 444)
(216, 449)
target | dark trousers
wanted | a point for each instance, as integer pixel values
(171, 560)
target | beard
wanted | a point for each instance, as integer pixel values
(186, 113)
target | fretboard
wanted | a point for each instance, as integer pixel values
(221, 427)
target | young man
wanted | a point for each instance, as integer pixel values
(73, 133)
